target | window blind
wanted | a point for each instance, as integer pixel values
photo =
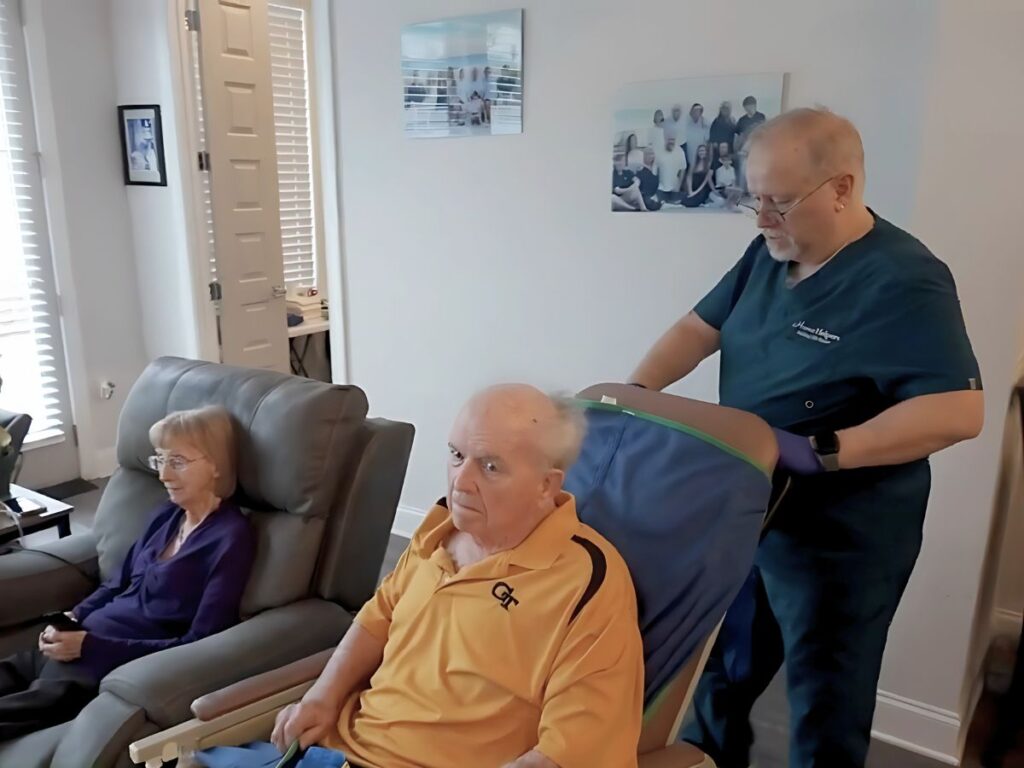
(292, 122)
(31, 353)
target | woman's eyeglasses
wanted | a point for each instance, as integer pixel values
(173, 463)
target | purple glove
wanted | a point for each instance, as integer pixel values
(796, 454)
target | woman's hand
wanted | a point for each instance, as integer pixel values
(308, 721)
(61, 646)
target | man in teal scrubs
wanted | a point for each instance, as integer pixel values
(845, 334)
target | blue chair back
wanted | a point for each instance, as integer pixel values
(684, 508)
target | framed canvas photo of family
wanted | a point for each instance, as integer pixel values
(680, 145)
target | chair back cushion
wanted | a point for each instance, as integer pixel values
(296, 438)
(683, 506)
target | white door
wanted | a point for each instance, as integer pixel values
(32, 363)
(239, 127)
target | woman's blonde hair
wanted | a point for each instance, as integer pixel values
(211, 430)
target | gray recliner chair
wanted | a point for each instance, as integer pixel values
(321, 483)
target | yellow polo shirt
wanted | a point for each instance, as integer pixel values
(534, 647)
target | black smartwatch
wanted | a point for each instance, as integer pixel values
(826, 445)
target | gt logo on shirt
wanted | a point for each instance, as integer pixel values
(820, 335)
(503, 594)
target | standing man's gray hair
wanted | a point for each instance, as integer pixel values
(833, 142)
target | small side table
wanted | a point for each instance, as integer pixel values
(49, 514)
(298, 343)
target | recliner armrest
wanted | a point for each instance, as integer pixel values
(244, 692)
(34, 583)
(100, 734)
(164, 684)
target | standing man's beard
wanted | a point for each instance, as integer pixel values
(782, 250)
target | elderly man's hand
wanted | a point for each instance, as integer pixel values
(61, 646)
(532, 759)
(308, 721)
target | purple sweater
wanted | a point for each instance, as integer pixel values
(151, 605)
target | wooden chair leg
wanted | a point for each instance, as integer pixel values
(679, 755)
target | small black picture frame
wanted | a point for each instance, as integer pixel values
(142, 145)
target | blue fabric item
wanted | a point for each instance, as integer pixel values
(258, 754)
(263, 754)
(736, 635)
(684, 512)
(320, 757)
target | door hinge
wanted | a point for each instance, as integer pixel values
(192, 19)
(74, 433)
(203, 160)
(216, 294)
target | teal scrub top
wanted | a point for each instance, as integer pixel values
(878, 324)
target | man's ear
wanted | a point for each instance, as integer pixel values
(844, 189)
(553, 480)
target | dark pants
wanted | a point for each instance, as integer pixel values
(830, 627)
(36, 693)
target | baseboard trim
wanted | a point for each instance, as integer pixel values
(407, 520)
(976, 691)
(917, 727)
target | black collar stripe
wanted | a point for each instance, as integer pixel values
(599, 567)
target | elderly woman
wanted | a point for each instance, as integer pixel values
(181, 581)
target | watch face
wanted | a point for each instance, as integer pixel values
(826, 443)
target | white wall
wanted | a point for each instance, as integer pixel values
(69, 45)
(475, 260)
(528, 275)
(144, 66)
(978, 59)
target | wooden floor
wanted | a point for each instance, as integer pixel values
(770, 720)
(771, 715)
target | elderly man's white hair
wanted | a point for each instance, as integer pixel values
(557, 421)
(566, 433)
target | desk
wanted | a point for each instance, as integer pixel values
(302, 332)
(53, 513)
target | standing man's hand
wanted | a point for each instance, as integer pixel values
(796, 454)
